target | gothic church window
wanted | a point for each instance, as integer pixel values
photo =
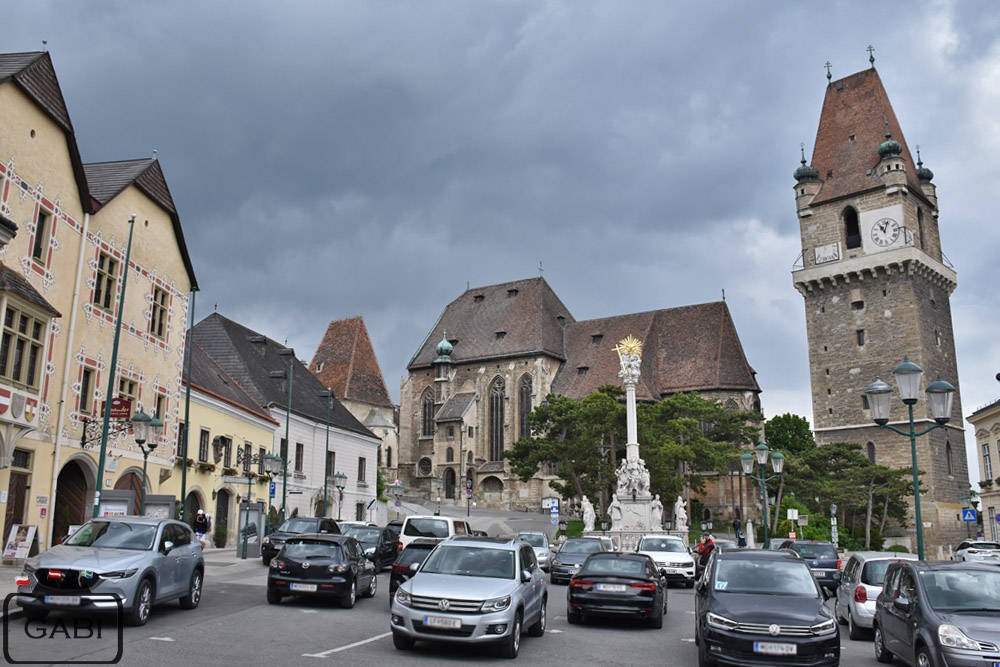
(871, 451)
(427, 413)
(524, 406)
(496, 419)
(947, 456)
(851, 228)
(388, 457)
(449, 455)
(920, 225)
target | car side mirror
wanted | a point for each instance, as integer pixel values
(663, 573)
(901, 604)
(525, 576)
(414, 567)
(700, 586)
(167, 547)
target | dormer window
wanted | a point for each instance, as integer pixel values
(478, 298)
(319, 366)
(511, 293)
(501, 334)
(582, 370)
(595, 339)
(561, 319)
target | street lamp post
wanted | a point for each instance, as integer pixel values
(290, 353)
(145, 427)
(436, 483)
(272, 464)
(777, 464)
(397, 493)
(246, 460)
(341, 484)
(966, 501)
(940, 395)
(328, 394)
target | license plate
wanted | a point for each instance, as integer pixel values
(443, 622)
(770, 648)
(63, 599)
(305, 588)
(611, 588)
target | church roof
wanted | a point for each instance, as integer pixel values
(510, 319)
(852, 126)
(345, 361)
(454, 409)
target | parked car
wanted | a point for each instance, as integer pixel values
(344, 525)
(570, 557)
(409, 561)
(670, 555)
(609, 544)
(860, 585)
(540, 543)
(478, 533)
(939, 613)
(377, 542)
(140, 561)
(762, 607)
(322, 565)
(472, 590)
(978, 550)
(297, 525)
(822, 558)
(616, 584)
(396, 526)
(431, 526)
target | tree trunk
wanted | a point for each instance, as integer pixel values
(777, 505)
(868, 514)
(885, 513)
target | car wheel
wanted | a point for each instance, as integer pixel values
(401, 642)
(538, 628)
(690, 584)
(836, 611)
(510, 647)
(266, 560)
(854, 631)
(191, 600)
(143, 604)
(35, 614)
(573, 617)
(882, 654)
(655, 622)
(703, 659)
(347, 602)
(273, 597)
(370, 593)
(924, 657)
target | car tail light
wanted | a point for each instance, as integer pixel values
(399, 546)
(644, 586)
(581, 583)
(972, 551)
(839, 566)
(861, 594)
(399, 568)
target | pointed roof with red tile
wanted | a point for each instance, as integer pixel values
(345, 361)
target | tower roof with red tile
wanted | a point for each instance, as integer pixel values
(345, 361)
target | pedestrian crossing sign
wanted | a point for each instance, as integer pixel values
(969, 516)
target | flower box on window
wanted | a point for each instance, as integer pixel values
(206, 467)
(229, 471)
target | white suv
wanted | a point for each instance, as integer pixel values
(418, 526)
(977, 550)
(670, 554)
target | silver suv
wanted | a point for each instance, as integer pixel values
(472, 590)
(540, 543)
(860, 585)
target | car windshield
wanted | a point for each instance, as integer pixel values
(962, 590)
(874, 572)
(535, 540)
(114, 535)
(309, 549)
(582, 547)
(471, 562)
(770, 577)
(364, 534)
(426, 528)
(622, 567)
(814, 551)
(661, 544)
(298, 525)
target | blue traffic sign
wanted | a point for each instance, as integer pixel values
(399, 504)
(555, 521)
(969, 516)
(997, 517)
(271, 491)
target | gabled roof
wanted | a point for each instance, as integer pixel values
(509, 319)
(345, 361)
(253, 361)
(211, 378)
(851, 128)
(108, 179)
(34, 74)
(13, 282)
(455, 408)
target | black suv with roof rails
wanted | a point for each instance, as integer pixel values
(822, 558)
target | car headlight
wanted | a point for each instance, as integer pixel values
(337, 568)
(952, 637)
(266, 540)
(496, 604)
(119, 574)
(402, 597)
(825, 628)
(721, 622)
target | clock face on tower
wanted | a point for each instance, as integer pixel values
(885, 231)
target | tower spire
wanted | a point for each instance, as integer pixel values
(871, 55)
(829, 77)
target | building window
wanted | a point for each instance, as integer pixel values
(470, 459)
(300, 456)
(858, 305)
(524, 406)
(582, 370)
(203, 446)
(261, 452)
(331, 463)
(987, 465)
(87, 391)
(595, 339)
(451, 431)
(42, 231)
(247, 454)
(181, 443)
(864, 402)
(158, 315)
(388, 457)
(161, 407)
(21, 347)
(284, 453)
(378, 460)
(362, 469)
(861, 337)
(496, 419)
(21, 459)
(937, 337)
(920, 226)
(947, 456)
(319, 366)
(227, 452)
(427, 413)
(424, 466)
(128, 389)
(871, 451)
(449, 455)
(852, 231)
(107, 278)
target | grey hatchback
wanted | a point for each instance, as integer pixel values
(139, 561)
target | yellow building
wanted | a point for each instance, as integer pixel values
(986, 422)
(58, 335)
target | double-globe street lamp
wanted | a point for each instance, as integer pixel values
(341, 484)
(940, 395)
(777, 464)
(146, 430)
(272, 464)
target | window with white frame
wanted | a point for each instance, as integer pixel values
(21, 346)
(987, 465)
(43, 229)
(362, 469)
(158, 314)
(106, 282)
(87, 390)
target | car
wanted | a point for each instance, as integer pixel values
(322, 565)
(978, 550)
(540, 543)
(570, 556)
(938, 613)
(823, 560)
(478, 533)
(141, 561)
(271, 544)
(396, 526)
(409, 561)
(617, 584)
(760, 607)
(670, 555)
(377, 542)
(472, 590)
(419, 525)
(348, 524)
(609, 544)
(860, 584)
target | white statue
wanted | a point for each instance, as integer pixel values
(656, 514)
(680, 515)
(615, 510)
(588, 513)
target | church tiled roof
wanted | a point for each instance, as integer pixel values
(454, 409)
(345, 361)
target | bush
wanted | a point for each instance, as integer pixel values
(221, 533)
(899, 549)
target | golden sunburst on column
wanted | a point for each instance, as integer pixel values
(629, 346)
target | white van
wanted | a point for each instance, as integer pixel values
(419, 525)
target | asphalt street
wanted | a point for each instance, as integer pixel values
(234, 625)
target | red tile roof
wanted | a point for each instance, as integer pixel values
(349, 365)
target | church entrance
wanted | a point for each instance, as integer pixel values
(449, 483)
(71, 500)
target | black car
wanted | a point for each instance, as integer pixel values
(570, 557)
(322, 565)
(396, 527)
(939, 613)
(762, 607)
(415, 553)
(271, 544)
(617, 584)
(378, 542)
(822, 559)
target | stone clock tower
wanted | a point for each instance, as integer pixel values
(877, 287)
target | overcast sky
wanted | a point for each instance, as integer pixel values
(331, 159)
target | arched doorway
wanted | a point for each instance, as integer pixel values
(221, 508)
(449, 483)
(132, 481)
(191, 506)
(71, 499)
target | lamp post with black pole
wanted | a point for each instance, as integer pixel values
(146, 429)
(341, 484)
(777, 464)
(246, 459)
(966, 501)
(272, 464)
(940, 395)
(328, 395)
